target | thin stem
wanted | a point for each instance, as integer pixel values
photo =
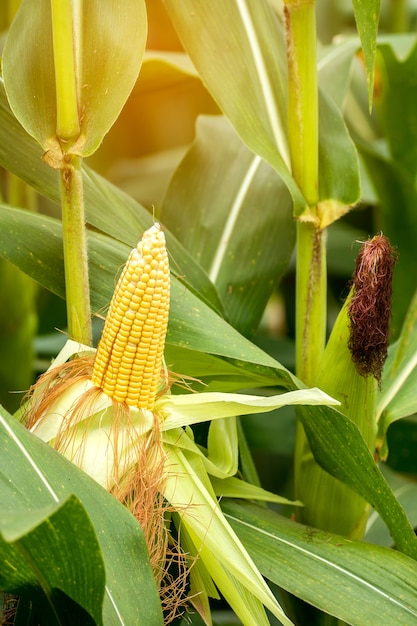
(75, 253)
(311, 291)
(303, 95)
(303, 135)
(67, 115)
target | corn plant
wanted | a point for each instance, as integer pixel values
(131, 492)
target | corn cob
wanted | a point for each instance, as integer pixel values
(129, 357)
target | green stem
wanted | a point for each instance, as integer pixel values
(311, 283)
(311, 289)
(72, 197)
(75, 253)
(64, 46)
(303, 137)
(303, 95)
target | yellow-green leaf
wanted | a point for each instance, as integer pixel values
(108, 46)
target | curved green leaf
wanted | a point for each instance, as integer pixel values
(34, 243)
(36, 476)
(233, 214)
(107, 208)
(352, 580)
(109, 46)
(53, 549)
(340, 449)
(243, 65)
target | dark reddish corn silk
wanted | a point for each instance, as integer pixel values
(370, 306)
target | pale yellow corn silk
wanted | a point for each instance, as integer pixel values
(96, 409)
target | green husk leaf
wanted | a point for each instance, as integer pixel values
(243, 208)
(222, 554)
(329, 504)
(188, 409)
(233, 487)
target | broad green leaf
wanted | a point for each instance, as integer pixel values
(33, 242)
(109, 46)
(53, 549)
(339, 448)
(36, 476)
(352, 580)
(107, 208)
(233, 214)
(367, 17)
(215, 373)
(19, 321)
(243, 65)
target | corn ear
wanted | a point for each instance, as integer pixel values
(129, 357)
(328, 503)
(351, 370)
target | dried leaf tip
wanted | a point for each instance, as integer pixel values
(129, 357)
(370, 306)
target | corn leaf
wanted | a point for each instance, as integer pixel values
(247, 76)
(244, 211)
(352, 580)
(367, 17)
(398, 398)
(243, 65)
(339, 448)
(52, 549)
(215, 373)
(36, 477)
(34, 243)
(335, 68)
(108, 208)
(108, 50)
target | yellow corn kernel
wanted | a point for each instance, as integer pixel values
(128, 362)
